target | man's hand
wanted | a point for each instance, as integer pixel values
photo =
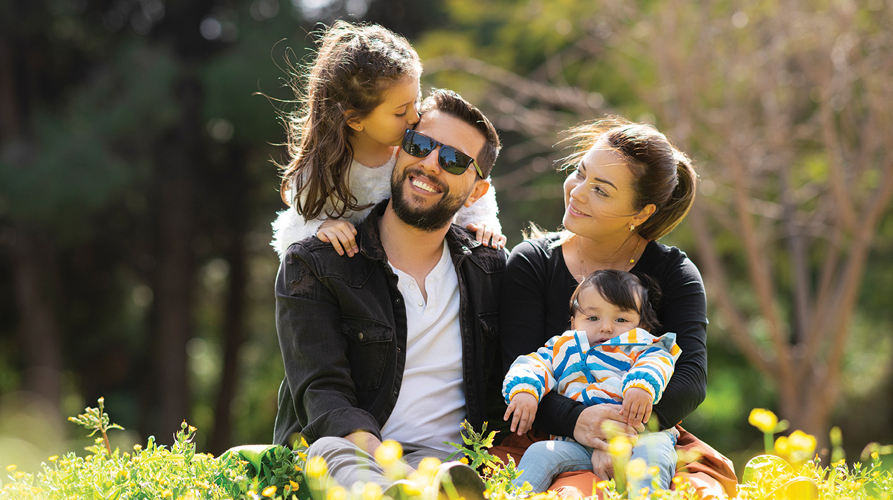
(598, 424)
(486, 235)
(636, 406)
(341, 234)
(523, 405)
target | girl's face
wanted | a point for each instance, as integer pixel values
(600, 319)
(387, 123)
(599, 196)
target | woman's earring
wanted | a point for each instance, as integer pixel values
(632, 227)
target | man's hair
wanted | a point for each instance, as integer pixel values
(454, 105)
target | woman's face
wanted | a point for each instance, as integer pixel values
(598, 196)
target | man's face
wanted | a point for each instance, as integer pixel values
(424, 195)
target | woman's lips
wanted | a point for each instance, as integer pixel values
(573, 211)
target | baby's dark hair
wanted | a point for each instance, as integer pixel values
(621, 289)
(354, 67)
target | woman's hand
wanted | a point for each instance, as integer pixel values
(602, 465)
(340, 234)
(486, 235)
(598, 424)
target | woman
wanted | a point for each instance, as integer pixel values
(628, 188)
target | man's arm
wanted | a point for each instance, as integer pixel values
(314, 352)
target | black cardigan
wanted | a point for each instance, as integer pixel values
(536, 291)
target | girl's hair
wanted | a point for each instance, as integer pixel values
(662, 174)
(621, 289)
(354, 67)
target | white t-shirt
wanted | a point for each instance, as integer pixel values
(431, 404)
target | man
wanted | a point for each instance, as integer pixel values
(398, 342)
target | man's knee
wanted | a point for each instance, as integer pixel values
(330, 446)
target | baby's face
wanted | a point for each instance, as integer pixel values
(600, 319)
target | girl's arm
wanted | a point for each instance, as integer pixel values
(483, 215)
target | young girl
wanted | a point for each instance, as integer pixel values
(362, 93)
(608, 357)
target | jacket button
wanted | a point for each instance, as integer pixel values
(399, 350)
(396, 392)
(360, 335)
(397, 300)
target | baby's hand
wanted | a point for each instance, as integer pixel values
(523, 405)
(340, 234)
(486, 235)
(636, 406)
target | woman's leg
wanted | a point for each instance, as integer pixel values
(546, 459)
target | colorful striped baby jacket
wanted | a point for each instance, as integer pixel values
(597, 374)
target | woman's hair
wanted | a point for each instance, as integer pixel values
(621, 288)
(662, 174)
(354, 67)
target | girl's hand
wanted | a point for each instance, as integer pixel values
(486, 235)
(636, 406)
(341, 234)
(523, 405)
(598, 424)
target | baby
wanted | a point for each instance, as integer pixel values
(607, 358)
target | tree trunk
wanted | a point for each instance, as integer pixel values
(34, 270)
(234, 324)
(175, 279)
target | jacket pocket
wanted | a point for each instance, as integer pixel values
(367, 350)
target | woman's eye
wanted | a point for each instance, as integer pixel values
(599, 191)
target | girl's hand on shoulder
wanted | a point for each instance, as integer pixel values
(341, 234)
(487, 235)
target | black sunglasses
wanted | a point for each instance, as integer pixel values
(451, 159)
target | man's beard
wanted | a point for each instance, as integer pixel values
(427, 219)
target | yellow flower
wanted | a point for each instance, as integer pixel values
(601, 485)
(294, 486)
(137, 447)
(763, 419)
(269, 491)
(54, 458)
(11, 468)
(637, 469)
(18, 475)
(167, 494)
(620, 447)
(388, 453)
(336, 493)
(371, 491)
(316, 467)
(782, 448)
(464, 460)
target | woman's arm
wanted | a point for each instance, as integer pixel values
(683, 311)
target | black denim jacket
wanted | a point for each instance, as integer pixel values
(342, 331)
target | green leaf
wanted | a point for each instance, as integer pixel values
(765, 464)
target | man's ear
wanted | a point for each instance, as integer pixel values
(480, 189)
(353, 120)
